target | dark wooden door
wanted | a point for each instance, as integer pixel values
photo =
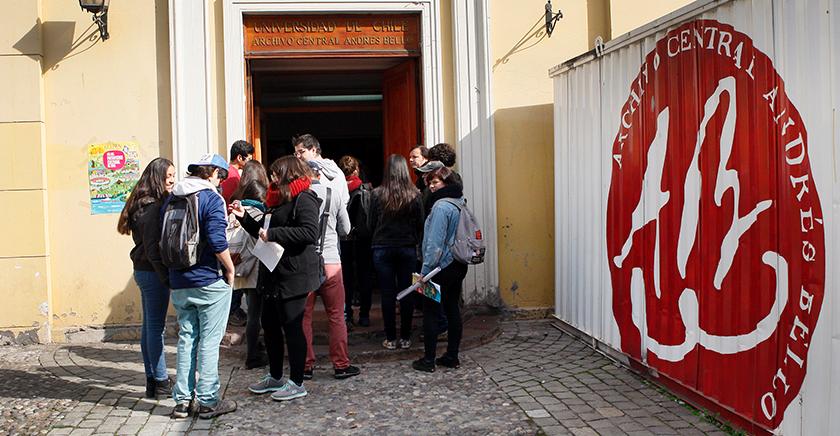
(400, 109)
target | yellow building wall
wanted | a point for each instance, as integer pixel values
(523, 115)
(521, 55)
(98, 91)
(626, 15)
(24, 253)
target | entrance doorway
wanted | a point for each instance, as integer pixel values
(349, 79)
(365, 107)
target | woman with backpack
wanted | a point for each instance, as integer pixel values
(438, 238)
(292, 214)
(140, 218)
(396, 222)
(251, 194)
(355, 247)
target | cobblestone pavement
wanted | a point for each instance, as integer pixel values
(568, 388)
(532, 380)
(30, 397)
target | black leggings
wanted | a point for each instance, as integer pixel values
(279, 317)
(451, 280)
(356, 259)
(253, 327)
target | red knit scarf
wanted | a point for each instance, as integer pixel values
(353, 183)
(272, 198)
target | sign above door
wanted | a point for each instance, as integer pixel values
(335, 35)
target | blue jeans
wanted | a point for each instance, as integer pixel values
(154, 297)
(202, 317)
(394, 266)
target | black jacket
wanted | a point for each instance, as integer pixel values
(420, 183)
(145, 231)
(401, 229)
(294, 225)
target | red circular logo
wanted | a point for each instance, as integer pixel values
(113, 159)
(715, 238)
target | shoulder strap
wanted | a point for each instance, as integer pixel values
(294, 207)
(324, 217)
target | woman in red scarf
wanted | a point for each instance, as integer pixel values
(293, 223)
(356, 257)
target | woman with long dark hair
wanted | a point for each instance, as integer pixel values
(293, 223)
(140, 218)
(251, 193)
(252, 171)
(396, 222)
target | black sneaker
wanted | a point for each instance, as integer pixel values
(238, 318)
(423, 365)
(151, 385)
(308, 374)
(163, 388)
(348, 372)
(181, 410)
(449, 362)
(222, 407)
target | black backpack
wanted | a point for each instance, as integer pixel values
(358, 207)
(180, 242)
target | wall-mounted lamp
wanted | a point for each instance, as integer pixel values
(551, 18)
(99, 9)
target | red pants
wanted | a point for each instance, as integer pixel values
(332, 294)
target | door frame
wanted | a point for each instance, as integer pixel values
(431, 89)
(195, 104)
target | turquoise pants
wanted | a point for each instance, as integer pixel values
(202, 317)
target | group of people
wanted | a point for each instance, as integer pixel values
(194, 245)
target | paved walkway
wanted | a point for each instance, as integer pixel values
(532, 380)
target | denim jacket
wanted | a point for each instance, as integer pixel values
(439, 235)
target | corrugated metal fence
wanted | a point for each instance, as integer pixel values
(696, 199)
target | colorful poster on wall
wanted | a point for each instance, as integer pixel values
(113, 170)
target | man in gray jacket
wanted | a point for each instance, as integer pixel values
(308, 149)
(335, 222)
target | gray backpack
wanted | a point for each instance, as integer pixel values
(180, 245)
(468, 247)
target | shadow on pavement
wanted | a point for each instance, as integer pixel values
(107, 355)
(43, 384)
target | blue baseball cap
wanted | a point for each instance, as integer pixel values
(209, 159)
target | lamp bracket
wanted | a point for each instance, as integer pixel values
(101, 20)
(551, 18)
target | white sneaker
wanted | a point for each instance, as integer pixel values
(289, 391)
(266, 384)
